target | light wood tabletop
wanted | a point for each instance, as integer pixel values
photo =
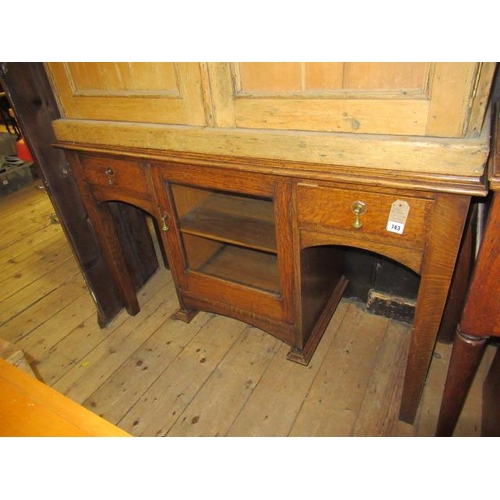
(29, 408)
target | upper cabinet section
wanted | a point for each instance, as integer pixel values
(131, 92)
(426, 118)
(419, 99)
(405, 99)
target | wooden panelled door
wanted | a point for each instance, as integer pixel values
(419, 99)
(169, 93)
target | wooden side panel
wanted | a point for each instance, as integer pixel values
(321, 269)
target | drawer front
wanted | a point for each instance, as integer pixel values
(111, 173)
(396, 217)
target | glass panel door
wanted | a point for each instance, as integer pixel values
(229, 236)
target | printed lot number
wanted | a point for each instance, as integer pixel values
(395, 227)
(397, 216)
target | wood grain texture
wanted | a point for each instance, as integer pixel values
(377, 76)
(481, 99)
(221, 94)
(158, 410)
(101, 219)
(369, 116)
(269, 76)
(363, 98)
(325, 205)
(123, 175)
(228, 388)
(412, 258)
(240, 265)
(234, 219)
(437, 270)
(287, 382)
(112, 92)
(318, 75)
(383, 393)
(251, 282)
(332, 405)
(409, 157)
(30, 408)
(106, 77)
(451, 98)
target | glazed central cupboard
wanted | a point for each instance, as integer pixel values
(258, 174)
(229, 240)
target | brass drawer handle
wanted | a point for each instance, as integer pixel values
(111, 175)
(358, 209)
(164, 219)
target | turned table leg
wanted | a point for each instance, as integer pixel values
(490, 419)
(465, 358)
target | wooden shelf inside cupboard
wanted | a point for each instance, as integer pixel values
(244, 266)
(235, 219)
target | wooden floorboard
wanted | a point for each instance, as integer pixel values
(216, 376)
(334, 401)
(276, 401)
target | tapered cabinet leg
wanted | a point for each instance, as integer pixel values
(445, 231)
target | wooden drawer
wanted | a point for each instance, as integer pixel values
(331, 208)
(115, 174)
